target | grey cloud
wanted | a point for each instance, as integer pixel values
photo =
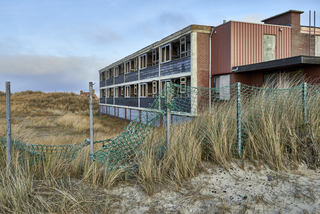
(49, 73)
(101, 34)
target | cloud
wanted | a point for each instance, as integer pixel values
(49, 73)
(101, 35)
(174, 19)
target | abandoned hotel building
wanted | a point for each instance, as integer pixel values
(203, 56)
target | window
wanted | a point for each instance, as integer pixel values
(127, 92)
(116, 71)
(184, 46)
(108, 92)
(121, 69)
(108, 74)
(143, 90)
(143, 61)
(111, 92)
(121, 91)
(103, 93)
(135, 90)
(166, 53)
(183, 85)
(116, 94)
(154, 88)
(155, 56)
(269, 47)
(127, 67)
(134, 64)
(102, 76)
(222, 83)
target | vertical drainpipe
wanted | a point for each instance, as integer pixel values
(210, 66)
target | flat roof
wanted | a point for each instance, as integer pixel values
(289, 11)
(278, 64)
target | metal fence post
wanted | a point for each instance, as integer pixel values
(304, 101)
(168, 101)
(8, 105)
(239, 140)
(91, 122)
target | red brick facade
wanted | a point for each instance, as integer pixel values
(299, 41)
(203, 59)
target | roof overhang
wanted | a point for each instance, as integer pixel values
(286, 63)
(289, 11)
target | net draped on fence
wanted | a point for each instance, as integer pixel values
(212, 116)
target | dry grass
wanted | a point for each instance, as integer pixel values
(274, 132)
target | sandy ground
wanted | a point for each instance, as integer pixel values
(236, 190)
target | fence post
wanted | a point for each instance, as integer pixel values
(304, 101)
(239, 140)
(91, 122)
(168, 101)
(8, 105)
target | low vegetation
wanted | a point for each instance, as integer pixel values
(274, 132)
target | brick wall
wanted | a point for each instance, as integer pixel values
(299, 41)
(203, 59)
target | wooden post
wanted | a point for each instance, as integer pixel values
(91, 122)
(8, 105)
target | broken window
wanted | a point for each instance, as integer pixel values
(143, 61)
(121, 69)
(143, 90)
(116, 93)
(103, 93)
(108, 92)
(154, 88)
(134, 64)
(108, 74)
(116, 71)
(121, 91)
(111, 92)
(102, 76)
(155, 56)
(184, 46)
(127, 92)
(127, 67)
(166, 53)
(175, 50)
(135, 90)
(183, 85)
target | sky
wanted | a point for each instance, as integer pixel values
(60, 45)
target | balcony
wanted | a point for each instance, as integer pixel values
(147, 102)
(150, 72)
(102, 83)
(131, 101)
(119, 101)
(109, 82)
(102, 100)
(109, 100)
(176, 66)
(119, 79)
(132, 76)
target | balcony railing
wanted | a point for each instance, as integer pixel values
(109, 100)
(176, 66)
(102, 100)
(119, 79)
(109, 82)
(132, 76)
(102, 83)
(150, 72)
